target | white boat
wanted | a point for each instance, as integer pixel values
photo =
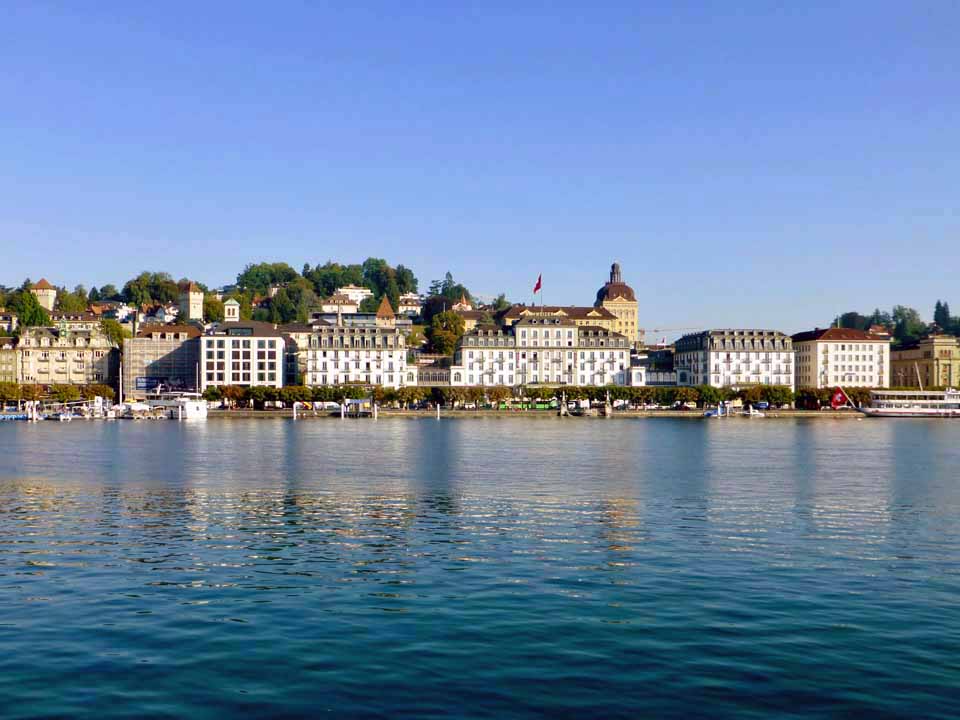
(63, 416)
(752, 412)
(914, 403)
(180, 406)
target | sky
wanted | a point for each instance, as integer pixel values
(751, 164)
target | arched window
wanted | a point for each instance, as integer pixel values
(456, 377)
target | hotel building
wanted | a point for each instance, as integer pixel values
(734, 358)
(539, 350)
(841, 356)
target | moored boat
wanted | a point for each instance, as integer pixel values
(914, 403)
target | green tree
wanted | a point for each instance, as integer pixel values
(10, 392)
(445, 332)
(28, 309)
(72, 303)
(501, 303)
(212, 309)
(260, 276)
(908, 326)
(94, 295)
(114, 331)
(941, 315)
(65, 393)
(109, 292)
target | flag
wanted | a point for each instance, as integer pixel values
(536, 288)
(838, 399)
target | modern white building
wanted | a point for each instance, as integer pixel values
(355, 292)
(247, 353)
(842, 356)
(546, 351)
(735, 358)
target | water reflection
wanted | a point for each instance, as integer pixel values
(454, 556)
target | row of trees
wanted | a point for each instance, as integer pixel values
(15, 392)
(454, 396)
(903, 323)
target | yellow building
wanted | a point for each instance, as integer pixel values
(936, 359)
(581, 316)
(618, 297)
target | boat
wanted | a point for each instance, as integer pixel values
(752, 412)
(914, 403)
(179, 406)
(62, 416)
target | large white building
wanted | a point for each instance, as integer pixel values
(546, 351)
(734, 358)
(339, 353)
(246, 353)
(355, 292)
(842, 356)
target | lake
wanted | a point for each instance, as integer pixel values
(483, 568)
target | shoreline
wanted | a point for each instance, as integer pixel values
(287, 414)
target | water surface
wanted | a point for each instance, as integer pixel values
(498, 568)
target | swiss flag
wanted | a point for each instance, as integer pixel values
(838, 399)
(536, 288)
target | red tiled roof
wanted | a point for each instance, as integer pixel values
(43, 285)
(839, 335)
(385, 310)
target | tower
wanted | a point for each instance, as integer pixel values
(45, 293)
(385, 315)
(191, 301)
(231, 311)
(619, 298)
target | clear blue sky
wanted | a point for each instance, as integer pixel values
(749, 164)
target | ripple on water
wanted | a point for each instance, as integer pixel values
(486, 568)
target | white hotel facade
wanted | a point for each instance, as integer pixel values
(546, 351)
(735, 358)
(842, 356)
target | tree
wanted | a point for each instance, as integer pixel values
(212, 309)
(941, 315)
(89, 392)
(854, 321)
(31, 392)
(445, 332)
(28, 309)
(65, 393)
(10, 392)
(499, 394)
(114, 331)
(149, 288)
(109, 292)
(94, 294)
(72, 303)
(501, 303)
(908, 326)
(261, 276)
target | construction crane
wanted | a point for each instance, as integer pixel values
(655, 331)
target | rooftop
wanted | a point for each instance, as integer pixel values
(840, 334)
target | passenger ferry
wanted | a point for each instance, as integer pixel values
(914, 403)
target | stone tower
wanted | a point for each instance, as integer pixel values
(45, 293)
